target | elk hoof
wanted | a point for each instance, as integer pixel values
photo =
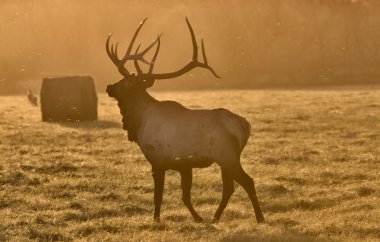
(198, 219)
(260, 220)
(157, 219)
(214, 220)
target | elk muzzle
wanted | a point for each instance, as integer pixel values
(111, 91)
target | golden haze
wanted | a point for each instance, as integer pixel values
(249, 43)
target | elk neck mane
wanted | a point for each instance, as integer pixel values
(132, 108)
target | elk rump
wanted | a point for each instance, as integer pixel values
(70, 98)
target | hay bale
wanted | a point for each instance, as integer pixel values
(71, 98)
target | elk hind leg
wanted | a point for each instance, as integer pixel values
(228, 190)
(241, 177)
(186, 183)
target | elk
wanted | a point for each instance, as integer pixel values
(173, 137)
(32, 99)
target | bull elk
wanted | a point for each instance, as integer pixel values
(173, 137)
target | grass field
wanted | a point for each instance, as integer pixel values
(314, 156)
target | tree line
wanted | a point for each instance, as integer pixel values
(251, 43)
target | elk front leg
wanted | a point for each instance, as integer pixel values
(228, 190)
(186, 182)
(159, 179)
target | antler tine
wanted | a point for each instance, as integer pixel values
(155, 54)
(206, 63)
(115, 52)
(114, 57)
(136, 63)
(110, 50)
(150, 82)
(140, 56)
(213, 72)
(133, 39)
(108, 47)
(194, 41)
(204, 54)
(148, 48)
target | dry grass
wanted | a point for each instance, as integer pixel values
(314, 155)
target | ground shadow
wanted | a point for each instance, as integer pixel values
(97, 124)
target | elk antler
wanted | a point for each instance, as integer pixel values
(150, 77)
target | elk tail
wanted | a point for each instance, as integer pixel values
(246, 126)
(237, 126)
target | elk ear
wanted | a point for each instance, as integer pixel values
(148, 83)
(130, 80)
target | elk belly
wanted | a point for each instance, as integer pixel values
(176, 146)
(172, 156)
(188, 161)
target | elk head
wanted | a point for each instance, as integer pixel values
(133, 82)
